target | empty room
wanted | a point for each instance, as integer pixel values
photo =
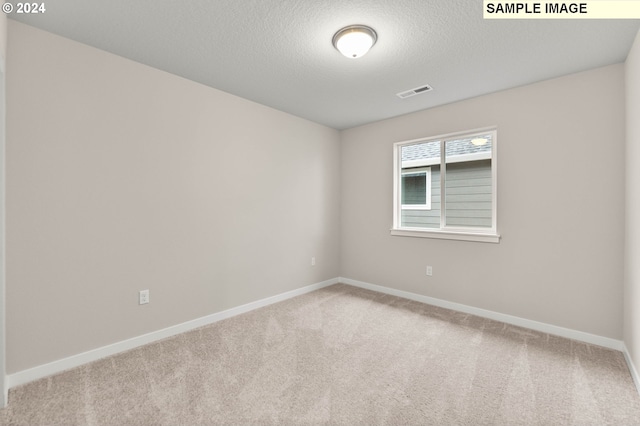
(295, 212)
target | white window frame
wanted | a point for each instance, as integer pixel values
(427, 172)
(489, 235)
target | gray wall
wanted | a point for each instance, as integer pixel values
(121, 177)
(632, 246)
(560, 205)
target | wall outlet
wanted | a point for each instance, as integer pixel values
(144, 297)
(313, 261)
(429, 271)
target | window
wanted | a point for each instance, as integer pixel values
(416, 189)
(445, 187)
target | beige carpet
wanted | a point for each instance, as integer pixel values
(342, 355)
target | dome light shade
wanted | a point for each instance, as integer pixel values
(479, 141)
(355, 40)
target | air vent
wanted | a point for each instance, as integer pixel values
(413, 92)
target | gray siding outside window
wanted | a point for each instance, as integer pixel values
(468, 194)
(468, 197)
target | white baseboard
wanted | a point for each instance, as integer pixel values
(509, 319)
(35, 373)
(26, 376)
(632, 367)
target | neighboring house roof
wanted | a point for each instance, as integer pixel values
(426, 150)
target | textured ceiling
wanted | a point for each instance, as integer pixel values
(279, 52)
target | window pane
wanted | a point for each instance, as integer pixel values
(468, 186)
(414, 188)
(416, 159)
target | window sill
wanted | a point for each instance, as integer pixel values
(448, 235)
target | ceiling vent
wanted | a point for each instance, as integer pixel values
(413, 92)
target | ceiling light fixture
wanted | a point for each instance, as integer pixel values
(479, 141)
(355, 40)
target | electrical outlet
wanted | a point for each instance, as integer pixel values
(313, 261)
(144, 297)
(429, 271)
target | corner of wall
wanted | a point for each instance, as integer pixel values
(3, 40)
(3, 50)
(631, 319)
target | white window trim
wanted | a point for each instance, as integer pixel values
(489, 235)
(446, 234)
(427, 205)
